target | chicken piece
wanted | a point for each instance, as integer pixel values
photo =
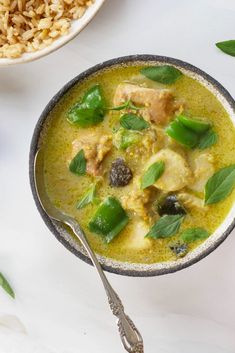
(159, 103)
(135, 239)
(191, 201)
(96, 146)
(176, 174)
(136, 199)
(203, 169)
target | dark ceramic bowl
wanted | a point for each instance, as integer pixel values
(124, 268)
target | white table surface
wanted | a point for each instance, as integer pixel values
(58, 297)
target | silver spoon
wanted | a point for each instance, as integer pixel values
(130, 336)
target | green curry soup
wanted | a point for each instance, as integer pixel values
(135, 176)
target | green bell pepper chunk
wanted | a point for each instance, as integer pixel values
(109, 219)
(196, 125)
(181, 134)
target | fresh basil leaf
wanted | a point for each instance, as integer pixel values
(152, 174)
(6, 286)
(94, 98)
(90, 111)
(133, 122)
(120, 107)
(166, 226)
(78, 164)
(193, 234)
(220, 185)
(208, 139)
(88, 197)
(127, 105)
(227, 47)
(84, 117)
(164, 74)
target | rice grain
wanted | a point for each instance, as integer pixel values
(30, 25)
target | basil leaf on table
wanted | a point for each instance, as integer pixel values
(164, 74)
(208, 139)
(6, 286)
(166, 226)
(88, 197)
(152, 174)
(90, 111)
(133, 122)
(192, 234)
(78, 164)
(220, 185)
(227, 47)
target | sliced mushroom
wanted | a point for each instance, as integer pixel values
(120, 174)
(170, 205)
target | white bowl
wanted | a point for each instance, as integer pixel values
(76, 27)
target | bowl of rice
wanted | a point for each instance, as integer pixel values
(31, 29)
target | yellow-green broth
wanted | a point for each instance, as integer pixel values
(65, 188)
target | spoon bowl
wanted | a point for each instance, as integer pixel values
(130, 336)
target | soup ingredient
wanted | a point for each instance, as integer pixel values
(132, 121)
(170, 205)
(96, 146)
(208, 139)
(197, 125)
(220, 185)
(88, 197)
(123, 138)
(127, 105)
(120, 174)
(166, 226)
(90, 111)
(135, 239)
(109, 219)
(177, 173)
(191, 201)
(136, 199)
(28, 26)
(179, 249)
(78, 164)
(181, 134)
(227, 47)
(6, 286)
(192, 234)
(158, 104)
(165, 74)
(192, 132)
(152, 174)
(203, 169)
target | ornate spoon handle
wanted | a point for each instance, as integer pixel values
(130, 336)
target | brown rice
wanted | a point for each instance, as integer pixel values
(30, 25)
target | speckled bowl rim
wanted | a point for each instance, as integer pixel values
(125, 268)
